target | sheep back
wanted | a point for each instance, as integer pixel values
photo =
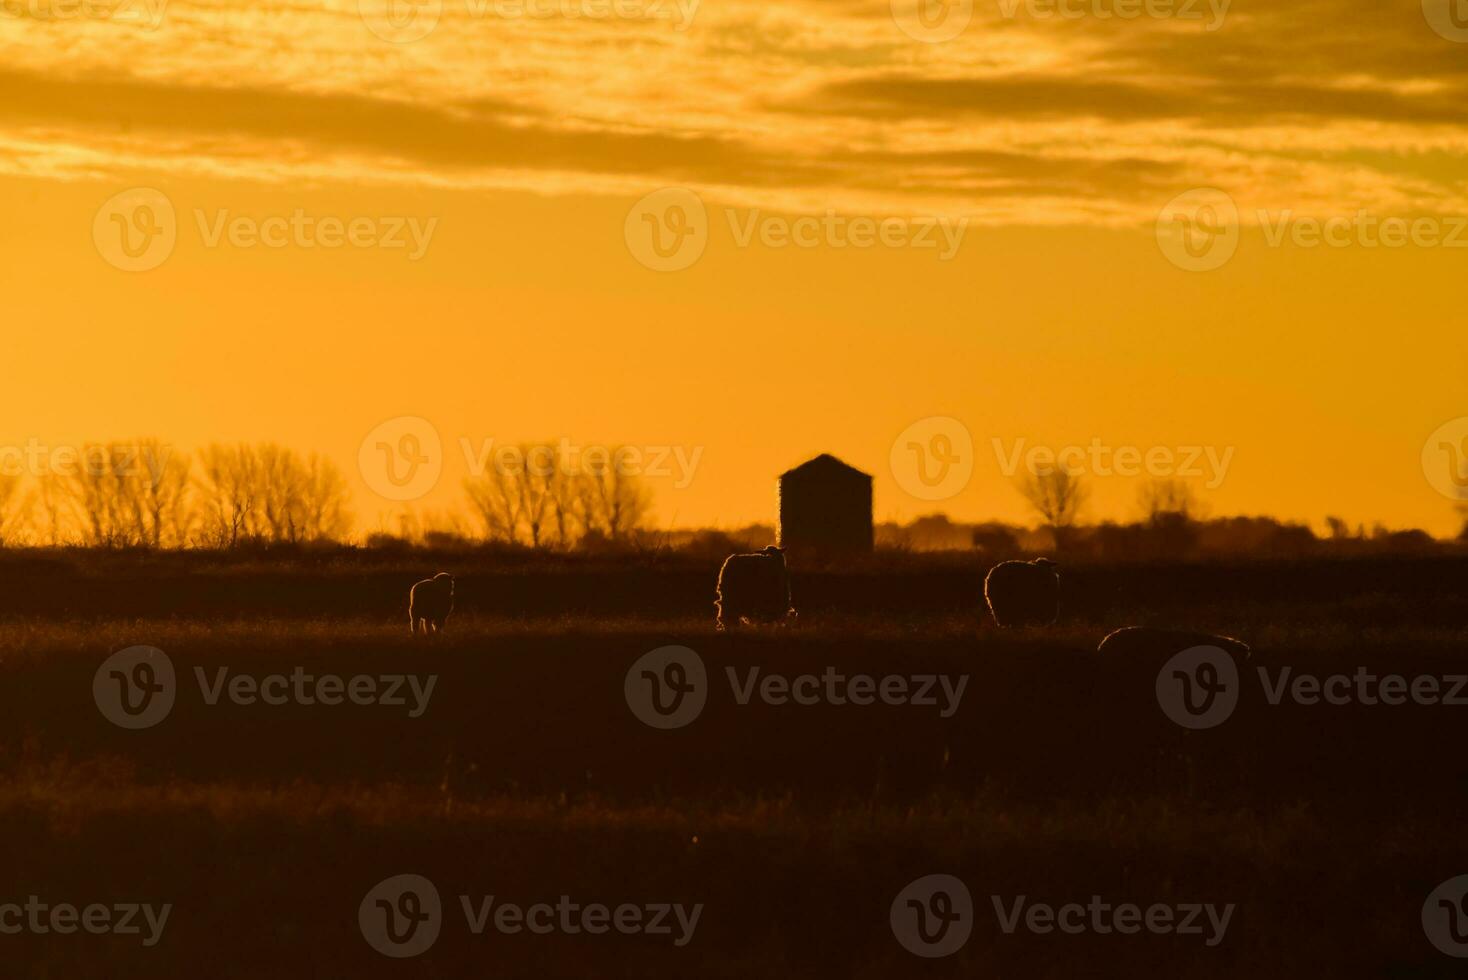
(1023, 593)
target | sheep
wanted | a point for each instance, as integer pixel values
(1023, 593)
(429, 604)
(1145, 641)
(753, 588)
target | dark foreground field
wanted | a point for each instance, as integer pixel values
(526, 775)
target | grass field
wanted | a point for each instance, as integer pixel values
(527, 776)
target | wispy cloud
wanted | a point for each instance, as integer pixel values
(1317, 104)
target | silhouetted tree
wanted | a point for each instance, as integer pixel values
(613, 503)
(15, 508)
(269, 493)
(121, 495)
(1057, 496)
(1169, 509)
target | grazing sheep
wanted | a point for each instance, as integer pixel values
(1144, 641)
(1023, 593)
(754, 588)
(430, 602)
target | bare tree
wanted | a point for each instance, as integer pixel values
(228, 488)
(495, 497)
(1057, 496)
(613, 502)
(1167, 501)
(1170, 510)
(269, 492)
(120, 495)
(162, 508)
(325, 514)
(15, 508)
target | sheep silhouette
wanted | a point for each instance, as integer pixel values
(1023, 593)
(429, 604)
(1152, 643)
(753, 588)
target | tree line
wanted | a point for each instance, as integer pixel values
(149, 494)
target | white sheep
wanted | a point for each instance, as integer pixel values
(429, 604)
(1023, 593)
(753, 588)
(1149, 642)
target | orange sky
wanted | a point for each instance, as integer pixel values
(1051, 144)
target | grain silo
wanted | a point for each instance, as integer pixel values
(825, 508)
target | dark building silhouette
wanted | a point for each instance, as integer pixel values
(825, 507)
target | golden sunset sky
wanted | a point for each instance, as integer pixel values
(1061, 318)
